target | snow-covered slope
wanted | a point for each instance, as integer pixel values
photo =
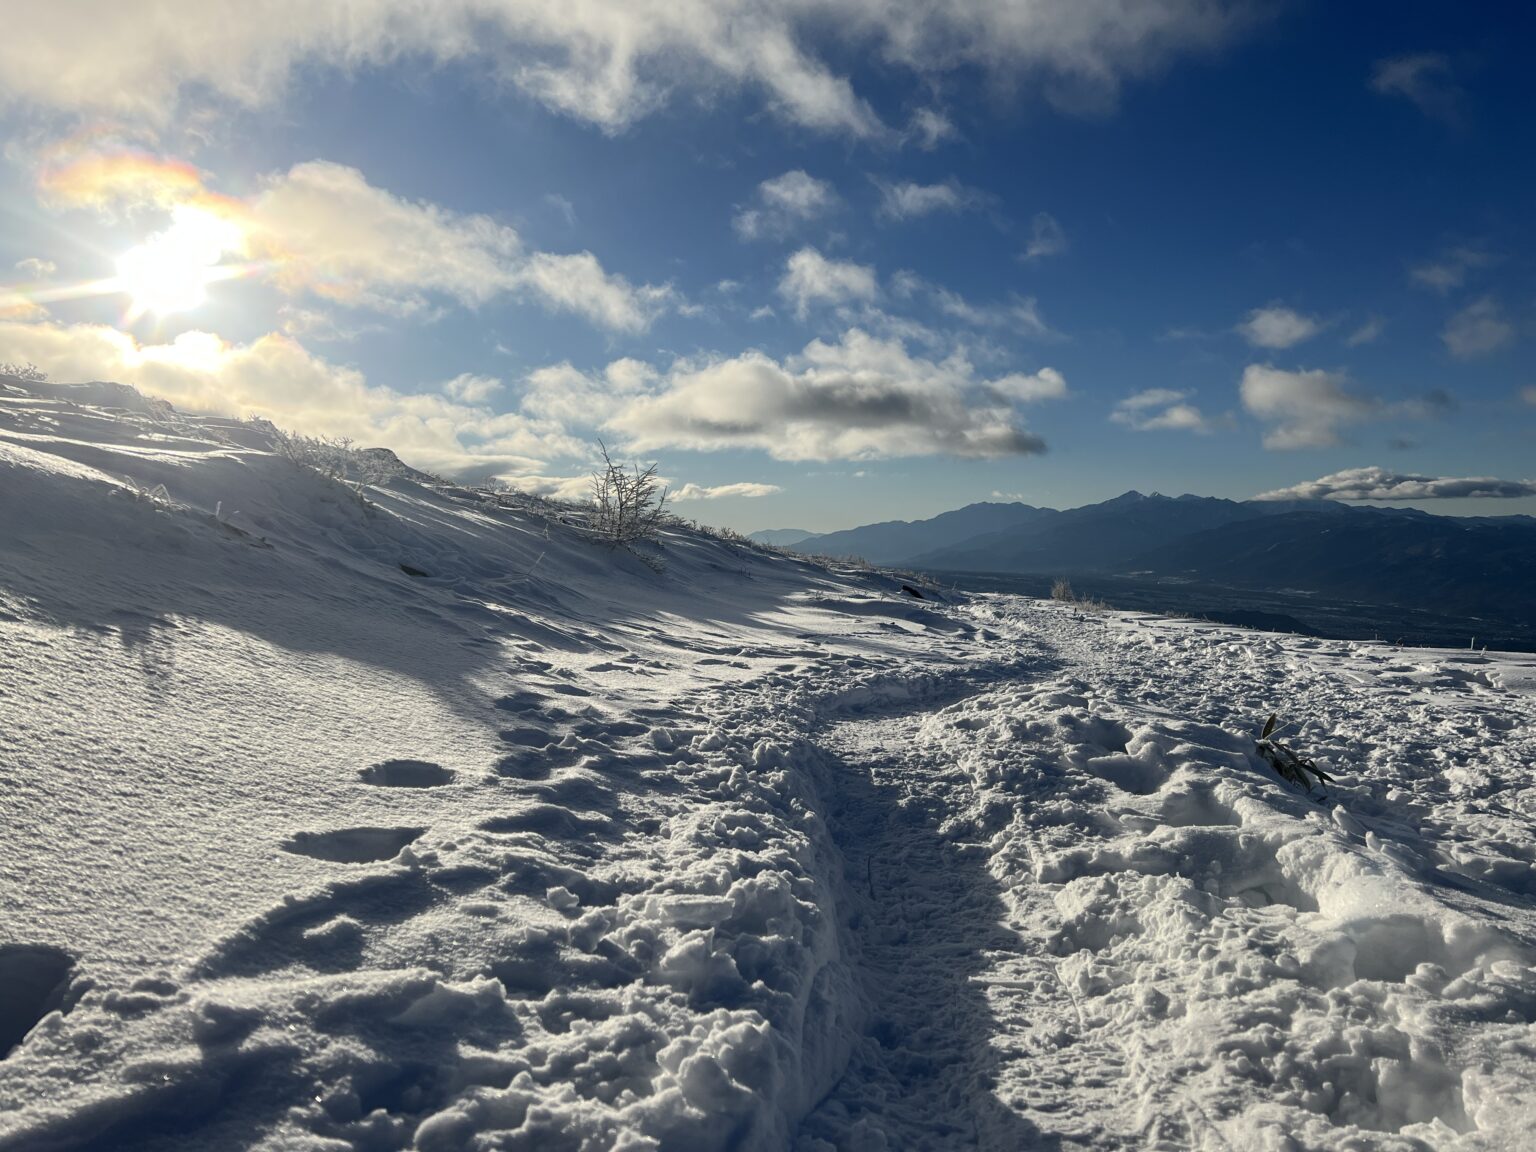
(543, 848)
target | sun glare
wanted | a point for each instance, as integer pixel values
(171, 271)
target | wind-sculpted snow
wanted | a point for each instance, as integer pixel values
(546, 849)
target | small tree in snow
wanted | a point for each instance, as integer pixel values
(628, 504)
(20, 371)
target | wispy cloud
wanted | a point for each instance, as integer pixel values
(607, 62)
(908, 200)
(1367, 333)
(1477, 330)
(745, 489)
(1046, 238)
(1425, 79)
(562, 205)
(1381, 484)
(1450, 269)
(929, 128)
(1015, 314)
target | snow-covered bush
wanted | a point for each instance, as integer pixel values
(336, 458)
(23, 371)
(628, 504)
(1061, 589)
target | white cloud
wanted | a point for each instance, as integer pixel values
(470, 388)
(1478, 329)
(578, 283)
(1162, 409)
(744, 489)
(1028, 387)
(1046, 238)
(1277, 326)
(1304, 409)
(810, 278)
(608, 62)
(1424, 79)
(563, 394)
(859, 398)
(276, 378)
(1367, 333)
(333, 233)
(1380, 484)
(1449, 270)
(908, 200)
(36, 268)
(576, 489)
(782, 204)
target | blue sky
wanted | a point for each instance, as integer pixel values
(826, 263)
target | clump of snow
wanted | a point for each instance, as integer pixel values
(548, 848)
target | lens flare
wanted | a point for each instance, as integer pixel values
(171, 271)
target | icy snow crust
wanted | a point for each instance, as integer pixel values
(545, 849)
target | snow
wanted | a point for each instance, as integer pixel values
(548, 849)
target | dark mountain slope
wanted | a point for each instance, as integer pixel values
(896, 541)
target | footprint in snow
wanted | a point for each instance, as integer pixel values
(407, 774)
(529, 763)
(521, 701)
(527, 737)
(352, 845)
(33, 982)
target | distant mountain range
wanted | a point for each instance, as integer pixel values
(781, 537)
(1476, 567)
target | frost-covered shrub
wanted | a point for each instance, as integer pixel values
(23, 371)
(1062, 590)
(335, 457)
(628, 504)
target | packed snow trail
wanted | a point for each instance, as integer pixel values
(410, 818)
(1201, 956)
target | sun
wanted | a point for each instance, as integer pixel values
(171, 271)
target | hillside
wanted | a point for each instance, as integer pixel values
(387, 814)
